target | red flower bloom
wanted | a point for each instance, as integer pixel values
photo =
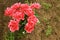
(18, 16)
(24, 7)
(32, 19)
(35, 5)
(13, 25)
(9, 11)
(29, 12)
(16, 6)
(29, 27)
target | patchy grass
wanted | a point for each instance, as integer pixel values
(49, 22)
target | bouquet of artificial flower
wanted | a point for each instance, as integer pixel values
(22, 13)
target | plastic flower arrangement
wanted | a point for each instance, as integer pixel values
(22, 13)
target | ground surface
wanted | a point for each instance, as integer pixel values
(52, 14)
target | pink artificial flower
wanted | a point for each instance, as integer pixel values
(29, 27)
(18, 16)
(13, 25)
(33, 19)
(29, 12)
(24, 7)
(9, 11)
(16, 6)
(35, 5)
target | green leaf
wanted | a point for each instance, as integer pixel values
(10, 36)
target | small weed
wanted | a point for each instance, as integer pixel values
(48, 30)
(46, 21)
(46, 5)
